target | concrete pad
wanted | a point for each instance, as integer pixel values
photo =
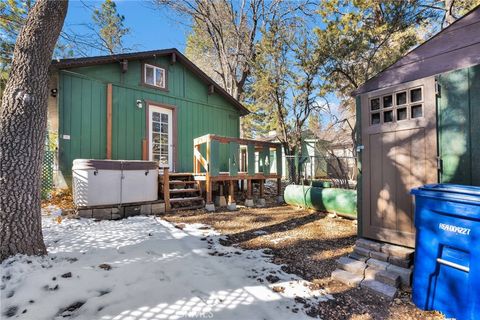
(232, 206)
(347, 278)
(210, 207)
(249, 203)
(261, 203)
(351, 265)
(405, 274)
(379, 288)
(368, 244)
(377, 264)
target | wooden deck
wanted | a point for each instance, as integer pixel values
(248, 160)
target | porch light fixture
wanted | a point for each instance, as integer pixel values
(139, 103)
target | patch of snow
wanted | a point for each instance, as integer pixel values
(260, 232)
(278, 240)
(157, 272)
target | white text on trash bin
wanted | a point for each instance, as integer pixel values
(450, 228)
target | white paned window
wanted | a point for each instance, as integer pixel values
(154, 76)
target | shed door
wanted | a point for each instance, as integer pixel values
(400, 153)
(160, 136)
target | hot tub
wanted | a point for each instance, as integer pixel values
(113, 182)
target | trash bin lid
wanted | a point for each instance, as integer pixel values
(448, 191)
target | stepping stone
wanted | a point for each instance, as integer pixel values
(347, 278)
(377, 264)
(405, 274)
(379, 255)
(351, 265)
(358, 257)
(368, 244)
(379, 288)
(362, 251)
(384, 276)
(397, 251)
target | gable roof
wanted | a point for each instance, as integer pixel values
(455, 47)
(98, 60)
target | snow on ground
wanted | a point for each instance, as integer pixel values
(158, 271)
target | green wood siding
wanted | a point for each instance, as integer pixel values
(458, 125)
(82, 109)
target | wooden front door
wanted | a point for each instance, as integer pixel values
(160, 130)
(400, 153)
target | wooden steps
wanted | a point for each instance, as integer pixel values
(188, 190)
(176, 200)
(181, 191)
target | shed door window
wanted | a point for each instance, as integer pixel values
(160, 131)
(396, 106)
(154, 76)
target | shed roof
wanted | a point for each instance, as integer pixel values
(98, 60)
(455, 47)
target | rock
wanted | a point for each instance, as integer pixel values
(11, 311)
(272, 279)
(67, 275)
(180, 226)
(105, 266)
(278, 289)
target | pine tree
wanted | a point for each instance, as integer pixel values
(110, 27)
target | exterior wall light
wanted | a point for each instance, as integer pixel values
(139, 103)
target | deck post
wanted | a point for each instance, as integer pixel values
(231, 196)
(166, 189)
(249, 200)
(279, 191)
(261, 199)
(209, 206)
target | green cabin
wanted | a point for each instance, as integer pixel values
(137, 106)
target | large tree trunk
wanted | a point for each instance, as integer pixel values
(23, 120)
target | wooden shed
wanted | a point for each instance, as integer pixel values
(419, 123)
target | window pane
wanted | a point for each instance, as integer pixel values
(164, 149)
(375, 104)
(401, 98)
(417, 111)
(164, 159)
(159, 78)
(164, 139)
(165, 117)
(155, 127)
(375, 118)
(401, 114)
(155, 148)
(388, 116)
(416, 95)
(156, 157)
(156, 138)
(156, 116)
(387, 101)
(164, 128)
(149, 75)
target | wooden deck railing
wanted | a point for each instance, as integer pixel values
(244, 156)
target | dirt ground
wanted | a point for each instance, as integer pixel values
(308, 244)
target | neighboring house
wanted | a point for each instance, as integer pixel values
(418, 123)
(317, 156)
(137, 106)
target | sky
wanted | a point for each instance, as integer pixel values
(150, 28)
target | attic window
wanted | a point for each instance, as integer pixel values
(154, 76)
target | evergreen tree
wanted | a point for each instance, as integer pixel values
(110, 27)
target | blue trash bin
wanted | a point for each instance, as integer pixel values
(446, 275)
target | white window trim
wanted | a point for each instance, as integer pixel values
(154, 76)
